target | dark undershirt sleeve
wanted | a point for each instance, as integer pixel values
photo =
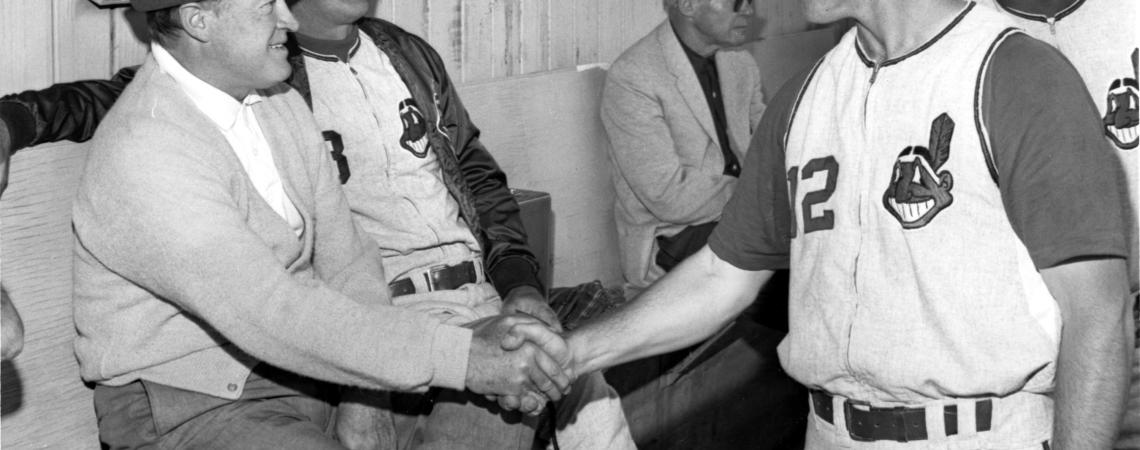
(755, 228)
(1060, 182)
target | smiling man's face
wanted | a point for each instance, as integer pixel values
(247, 43)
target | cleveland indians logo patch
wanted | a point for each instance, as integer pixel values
(1121, 117)
(918, 191)
(414, 138)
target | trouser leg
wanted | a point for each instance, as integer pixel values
(447, 419)
(281, 412)
(591, 417)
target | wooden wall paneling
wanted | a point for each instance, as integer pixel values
(26, 43)
(506, 49)
(478, 40)
(586, 30)
(534, 36)
(544, 130)
(445, 34)
(82, 41)
(44, 403)
(384, 10)
(563, 39)
(411, 15)
(614, 19)
(646, 15)
(128, 38)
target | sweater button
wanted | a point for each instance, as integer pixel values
(232, 387)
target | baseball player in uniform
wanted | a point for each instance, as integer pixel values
(1100, 38)
(941, 221)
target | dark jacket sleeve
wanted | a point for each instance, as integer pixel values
(64, 111)
(508, 259)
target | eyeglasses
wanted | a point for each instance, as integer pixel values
(736, 7)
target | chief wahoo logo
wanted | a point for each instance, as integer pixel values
(414, 138)
(1121, 117)
(918, 191)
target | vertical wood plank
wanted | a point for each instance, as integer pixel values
(445, 34)
(534, 36)
(411, 15)
(82, 40)
(646, 15)
(26, 43)
(613, 22)
(563, 43)
(586, 30)
(383, 10)
(478, 40)
(128, 38)
(506, 51)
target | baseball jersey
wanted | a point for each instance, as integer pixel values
(1101, 39)
(914, 243)
(396, 189)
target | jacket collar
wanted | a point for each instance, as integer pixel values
(737, 107)
(685, 78)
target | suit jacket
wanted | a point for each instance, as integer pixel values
(185, 276)
(668, 165)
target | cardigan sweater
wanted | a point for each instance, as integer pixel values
(184, 276)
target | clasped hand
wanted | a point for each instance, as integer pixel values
(519, 361)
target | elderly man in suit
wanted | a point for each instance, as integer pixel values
(679, 110)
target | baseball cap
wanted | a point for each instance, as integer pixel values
(151, 5)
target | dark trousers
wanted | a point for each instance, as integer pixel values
(446, 419)
(277, 410)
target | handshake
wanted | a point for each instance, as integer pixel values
(519, 361)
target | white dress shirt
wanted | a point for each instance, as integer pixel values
(237, 123)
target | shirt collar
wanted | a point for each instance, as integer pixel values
(215, 104)
(330, 49)
(699, 62)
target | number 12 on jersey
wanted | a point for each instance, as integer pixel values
(826, 219)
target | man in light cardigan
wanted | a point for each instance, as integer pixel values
(221, 286)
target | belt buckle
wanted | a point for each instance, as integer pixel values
(433, 274)
(452, 276)
(849, 417)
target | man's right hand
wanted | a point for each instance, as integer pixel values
(532, 367)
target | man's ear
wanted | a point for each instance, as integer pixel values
(689, 8)
(195, 20)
